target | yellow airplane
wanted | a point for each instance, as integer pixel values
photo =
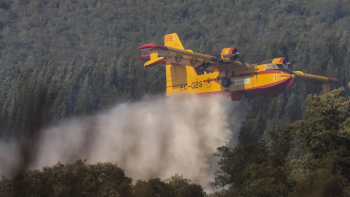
(188, 72)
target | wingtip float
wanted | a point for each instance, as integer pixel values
(188, 72)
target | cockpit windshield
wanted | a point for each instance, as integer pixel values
(274, 66)
(271, 66)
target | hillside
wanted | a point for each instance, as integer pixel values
(63, 58)
(68, 58)
(309, 157)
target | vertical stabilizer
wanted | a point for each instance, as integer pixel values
(172, 40)
(176, 74)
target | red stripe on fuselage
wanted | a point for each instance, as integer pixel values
(251, 74)
(268, 89)
(172, 86)
(235, 76)
(273, 71)
(258, 91)
(209, 80)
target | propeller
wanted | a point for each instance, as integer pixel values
(279, 51)
(289, 64)
(239, 57)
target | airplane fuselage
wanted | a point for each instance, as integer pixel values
(255, 81)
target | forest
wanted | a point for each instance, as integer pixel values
(68, 58)
(101, 179)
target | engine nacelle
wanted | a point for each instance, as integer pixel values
(228, 51)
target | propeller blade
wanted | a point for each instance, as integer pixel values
(295, 61)
(280, 53)
(289, 63)
(243, 62)
(237, 54)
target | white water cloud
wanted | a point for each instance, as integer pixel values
(156, 137)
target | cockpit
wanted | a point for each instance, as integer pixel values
(275, 66)
(276, 63)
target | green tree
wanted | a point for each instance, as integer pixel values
(76, 179)
(306, 158)
(153, 187)
(182, 186)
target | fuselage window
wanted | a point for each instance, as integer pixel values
(280, 66)
(274, 66)
(271, 66)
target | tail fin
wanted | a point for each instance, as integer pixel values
(173, 40)
(176, 74)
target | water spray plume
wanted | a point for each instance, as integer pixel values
(156, 137)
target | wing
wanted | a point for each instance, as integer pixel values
(175, 53)
(315, 79)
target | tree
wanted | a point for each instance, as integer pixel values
(76, 179)
(153, 187)
(306, 158)
(182, 187)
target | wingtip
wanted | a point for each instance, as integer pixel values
(144, 58)
(332, 80)
(153, 63)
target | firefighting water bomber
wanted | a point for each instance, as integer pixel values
(188, 72)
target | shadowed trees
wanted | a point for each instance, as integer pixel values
(84, 51)
(306, 158)
(101, 179)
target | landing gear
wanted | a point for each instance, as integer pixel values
(226, 82)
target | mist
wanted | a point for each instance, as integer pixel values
(155, 137)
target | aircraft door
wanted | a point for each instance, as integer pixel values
(255, 79)
(170, 72)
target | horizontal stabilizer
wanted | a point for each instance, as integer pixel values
(154, 62)
(144, 58)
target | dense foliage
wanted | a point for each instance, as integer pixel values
(307, 158)
(60, 58)
(102, 179)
